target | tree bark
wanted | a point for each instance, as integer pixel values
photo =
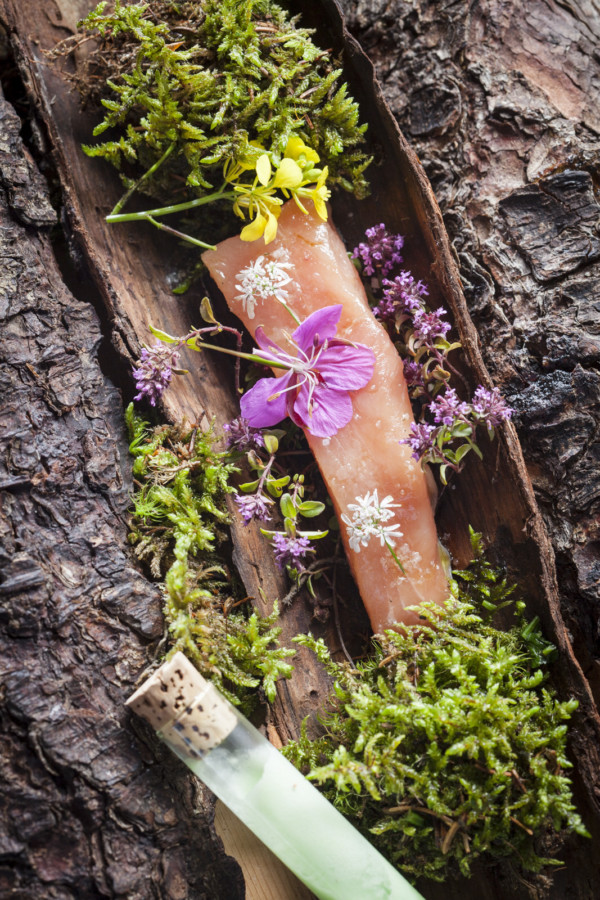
(87, 809)
(80, 621)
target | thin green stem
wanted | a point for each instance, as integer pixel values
(291, 312)
(141, 180)
(253, 357)
(180, 234)
(395, 558)
(168, 210)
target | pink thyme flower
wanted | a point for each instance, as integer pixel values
(381, 252)
(491, 407)
(289, 551)
(154, 372)
(314, 390)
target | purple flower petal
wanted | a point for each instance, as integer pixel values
(259, 405)
(324, 413)
(265, 343)
(323, 323)
(345, 367)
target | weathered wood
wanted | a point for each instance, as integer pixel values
(500, 101)
(129, 270)
(87, 809)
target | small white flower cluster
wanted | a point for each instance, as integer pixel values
(368, 517)
(260, 280)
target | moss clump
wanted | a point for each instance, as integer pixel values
(178, 514)
(192, 84)
(447, 744)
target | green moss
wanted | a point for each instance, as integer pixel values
(447, 744)
(191, 84)
(177, 523)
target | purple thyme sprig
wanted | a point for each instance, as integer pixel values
(381, 252)
(239, 435)
(449, 409)
(253, 507)
(154, 372)
(429, 326)
(452, 438)
(490, 407)
(420, 440)
(401, 297)
(290, 550)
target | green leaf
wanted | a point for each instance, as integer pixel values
(271, 443)
(286, 504)
(249, 486)
(310, 508)
(163, 336)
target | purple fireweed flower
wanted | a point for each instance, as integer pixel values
(449, 409)
(401, 296)
(490, 407)
(290, 551)
(413, 373)
(420, 440)
(314, 390)
(380, 252)
(430, 325)
(154, 372)
(253, 507)
(240, 436)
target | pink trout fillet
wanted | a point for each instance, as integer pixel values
(364, 455)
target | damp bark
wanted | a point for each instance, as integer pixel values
(507, 141)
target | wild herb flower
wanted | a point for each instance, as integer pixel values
(262, 279)
(253, 507)
(490, 407)
(290, 550)
(154, 372)
(421, 439)
(240, 436)
(413, 373)
(369, 515)
(428, 326)
(314, 392)
(448, 409)
(260, 199)
(401, 297)
(381, 252)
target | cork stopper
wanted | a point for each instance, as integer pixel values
(188, 710)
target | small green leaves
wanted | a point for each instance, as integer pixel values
(189, 100)
(178, 512)
(446, 743)
(287, 506)
(310, 508)
(163, 336)
(271, 443)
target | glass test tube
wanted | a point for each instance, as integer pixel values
(263, 789)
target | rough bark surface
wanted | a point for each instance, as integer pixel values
(500, 100)
(485, 100)
(86, 808)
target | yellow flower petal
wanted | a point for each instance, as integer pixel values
(296, 147)
(288, 175)
(320, 205)
(270, 229)
(263, 169)
(254, 230)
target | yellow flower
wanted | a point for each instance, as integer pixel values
(319, 194)
(296, 148)
(288, 175)
(262, 225)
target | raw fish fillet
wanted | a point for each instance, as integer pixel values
(364, 455)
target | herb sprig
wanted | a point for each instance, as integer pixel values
(195, 89)
(447, 744)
